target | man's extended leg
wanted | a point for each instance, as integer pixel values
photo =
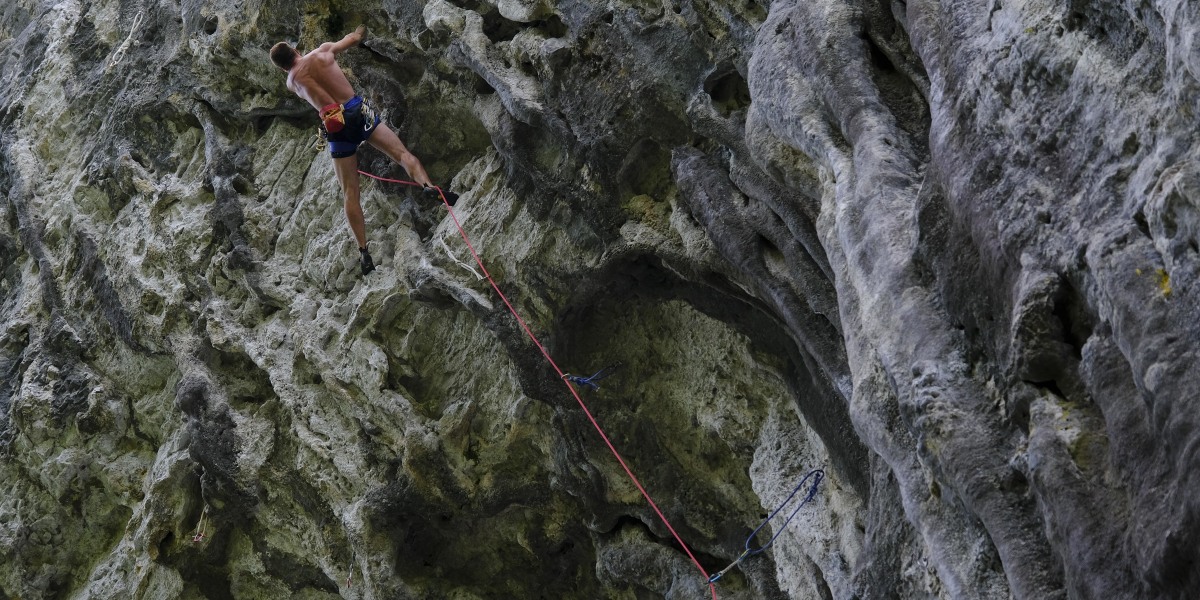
(347, 174)
(389, 143)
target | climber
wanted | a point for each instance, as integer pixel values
(347, 121)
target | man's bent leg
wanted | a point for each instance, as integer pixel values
(389, 143)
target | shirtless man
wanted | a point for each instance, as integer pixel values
(317, 78)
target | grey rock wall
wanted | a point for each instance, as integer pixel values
(944, 251)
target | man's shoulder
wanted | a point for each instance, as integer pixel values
(325, 51)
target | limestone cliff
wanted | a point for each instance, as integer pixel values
(945, 251)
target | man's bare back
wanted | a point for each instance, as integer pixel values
(316, 76)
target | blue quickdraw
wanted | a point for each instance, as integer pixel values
(817, 475)
(591, 381)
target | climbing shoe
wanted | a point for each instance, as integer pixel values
(432, 192)
(368, 265)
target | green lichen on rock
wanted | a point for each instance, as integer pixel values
(811, 234)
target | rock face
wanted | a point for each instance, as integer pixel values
(946, 252)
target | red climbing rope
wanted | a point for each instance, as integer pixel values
(529, 332)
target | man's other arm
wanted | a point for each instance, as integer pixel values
(350, 41)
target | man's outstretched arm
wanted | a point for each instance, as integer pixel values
(351, 40)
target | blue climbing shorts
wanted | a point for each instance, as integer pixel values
(360, 124)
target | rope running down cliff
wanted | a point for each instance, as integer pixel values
(561, 374)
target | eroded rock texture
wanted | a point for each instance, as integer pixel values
(946, 251)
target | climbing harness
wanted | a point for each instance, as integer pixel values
(333, 116)
(333, 119)
(583, 406)
(119, 54)
(817, 475)
(591, 381)
(200, 534)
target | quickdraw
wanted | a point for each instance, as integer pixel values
(322, 141)
(119, 55)
(200, 534)
(591, 381)
(368, 116)
(817, 475)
